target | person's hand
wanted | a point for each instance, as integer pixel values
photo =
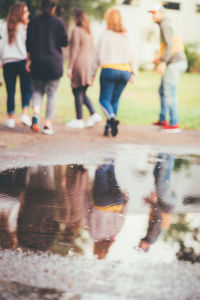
(161, 68)
(28, 66)
(152, 199)
(131, 79)
(91, 81)
(144, 245)
(69, 73)
(156, 60)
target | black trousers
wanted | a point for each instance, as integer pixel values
(80, 99)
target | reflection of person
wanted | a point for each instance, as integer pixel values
(114, 55)
(45, 37)
(13, 56)
(12, 184)
(170, 64)
(75, 186)
(161, 202)
(81, 51)
(105, 218)
(37, 226)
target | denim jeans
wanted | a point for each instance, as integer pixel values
(162, 175)
(112, 83)
(10, 73)
(50, 87)
(168, 90)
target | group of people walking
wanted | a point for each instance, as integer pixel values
(33, 50)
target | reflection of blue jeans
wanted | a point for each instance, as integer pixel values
(106, 190)
(168, 89)
(112, 83)
(162, 174)
(10, 72)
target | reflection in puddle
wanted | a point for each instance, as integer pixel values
(118, 209)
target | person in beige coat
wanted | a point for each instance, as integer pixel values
(115, 56)
(80, 55)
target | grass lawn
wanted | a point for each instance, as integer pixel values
(139, 103)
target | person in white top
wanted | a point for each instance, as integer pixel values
(13, 58)
(115, 56)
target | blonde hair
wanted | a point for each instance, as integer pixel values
(114, 20)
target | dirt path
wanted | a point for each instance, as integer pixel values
(21, 143)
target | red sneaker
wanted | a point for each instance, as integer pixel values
(171, 128)
(161, 123)
(35, 127)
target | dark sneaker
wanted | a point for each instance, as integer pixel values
(114, 124)
(107, 129)
(171, 128)
(34, 125)
(160, 123)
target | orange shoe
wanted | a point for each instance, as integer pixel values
(34, 125)
(161, 123)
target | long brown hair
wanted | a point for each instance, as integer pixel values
(81, 19)
(15, 16)
(114, 20)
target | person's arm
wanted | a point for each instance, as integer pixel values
(154, 226)
(95, 61)
(167, 37)
(64, 37)
(73, 50)
(28, 62)
(28, 48)
(134, 66)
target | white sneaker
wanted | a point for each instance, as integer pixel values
(25, 120)
(48, 131)
(93, 119)
(10, 123)
(76, 123)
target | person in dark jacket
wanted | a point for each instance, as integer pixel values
(45, 38)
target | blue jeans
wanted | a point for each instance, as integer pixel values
(112, 83)
(162, 173)
(168, 89)
(10, 73)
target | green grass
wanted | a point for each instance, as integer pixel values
(139, 103)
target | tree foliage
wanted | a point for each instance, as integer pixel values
(95, 8)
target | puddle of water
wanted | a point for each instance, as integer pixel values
(135, 207)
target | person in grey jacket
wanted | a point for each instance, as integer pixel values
(162, 201)
(170, 64)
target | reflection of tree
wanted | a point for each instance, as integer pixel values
(177, 232)
(178, 229)
(180, 163)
